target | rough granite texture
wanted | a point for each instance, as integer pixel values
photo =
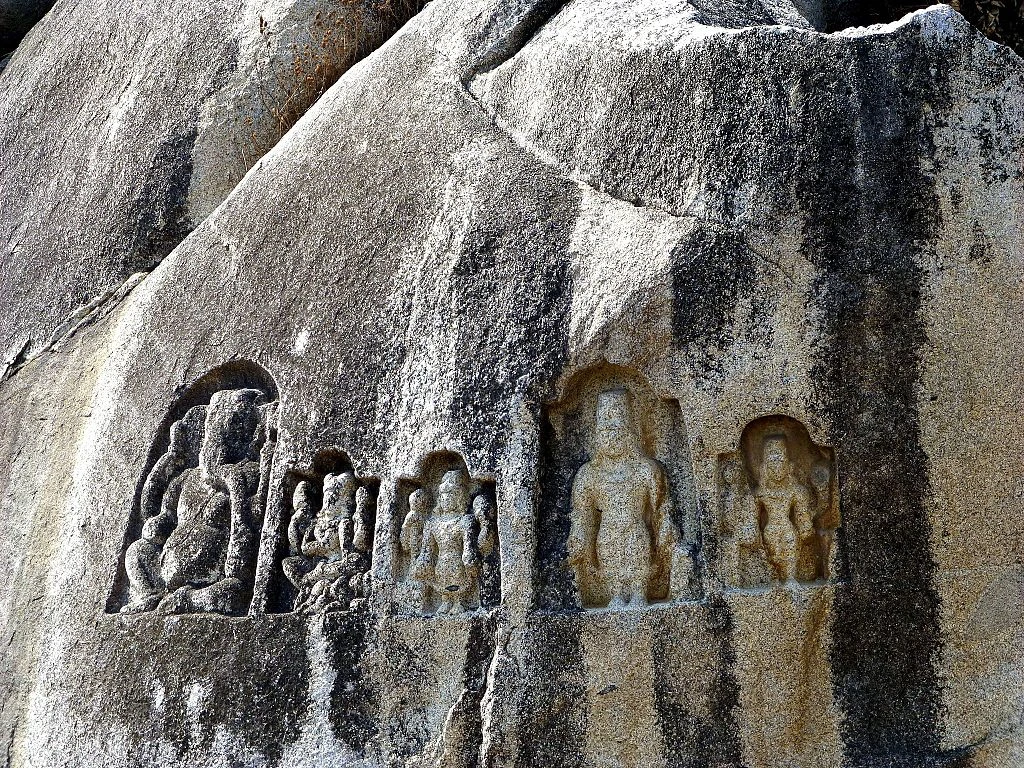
(129, 122)
(508, 205)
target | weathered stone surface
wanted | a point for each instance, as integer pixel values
(123, 125)
(511, 209)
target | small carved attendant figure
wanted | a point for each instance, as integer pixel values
(142, 562)
(622, 537)
(415, 522)
(332, 551)
(784, 505)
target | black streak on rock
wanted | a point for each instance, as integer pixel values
(556, 584)
(712, 269)
(464, 736)
(519, 345)
(692, 741)
(185, 678)
(159, 214)
(870, 214)
(553, 716)
(353, 707)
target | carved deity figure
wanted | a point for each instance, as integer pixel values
(202, 510)
(784, 506)
(449, 544)
(622, 539)
(330, 561)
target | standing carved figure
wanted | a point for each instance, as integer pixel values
(622, 538)
(330, 559)
(445, 544)
(202, 506)
(783, 503)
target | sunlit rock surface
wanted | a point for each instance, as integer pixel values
(707, 312)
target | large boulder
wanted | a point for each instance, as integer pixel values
(667, 350)
(123, 125)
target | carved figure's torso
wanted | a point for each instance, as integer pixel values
(449, 535)
(780, 502)
(195, 550)
(622, 493)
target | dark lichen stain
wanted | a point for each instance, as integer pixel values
(552, 699)
(159, 215)
(870, 215)
(712, 270)
(353, 706)
(464, 734)
(513, 288)
(178, 681)
(692, 741)
(555, 582)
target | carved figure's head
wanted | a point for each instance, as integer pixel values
(419, 502)
(616, 433)
(453, 493)
(232, 426)
(775, 466)
(339, 494)
(482, 507)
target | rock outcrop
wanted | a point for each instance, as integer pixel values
(605, 383)
(123, 126)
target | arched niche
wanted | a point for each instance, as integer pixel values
(426, 527)
(568, 442)
(238, 400)
(778, 499)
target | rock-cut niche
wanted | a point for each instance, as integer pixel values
(195, 528)
(446, 557)
(617, 525)
(779, 506)
(331, 526)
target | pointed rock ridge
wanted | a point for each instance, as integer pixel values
(749, 290)
(123, 126)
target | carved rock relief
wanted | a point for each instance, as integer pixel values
(330, 541)
(202, 509)
(626, 543)
(447, 553)
(779, 509)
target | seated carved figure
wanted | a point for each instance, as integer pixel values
(445, 544)
(207, 507)
(622, 540)
(330, 567)
(783, 503)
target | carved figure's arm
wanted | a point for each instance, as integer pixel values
(668, 532)
(242, 482)
(312, 546)
(411, 537)
(302, 503)
(751, 509)
(169, 505)
(423, 567)
(470, 556)
(362, 536)
(485, 538)
(802, 514)
(165, 473)
(583, 525)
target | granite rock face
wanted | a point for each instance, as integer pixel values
(607, 383)
(129, 123)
